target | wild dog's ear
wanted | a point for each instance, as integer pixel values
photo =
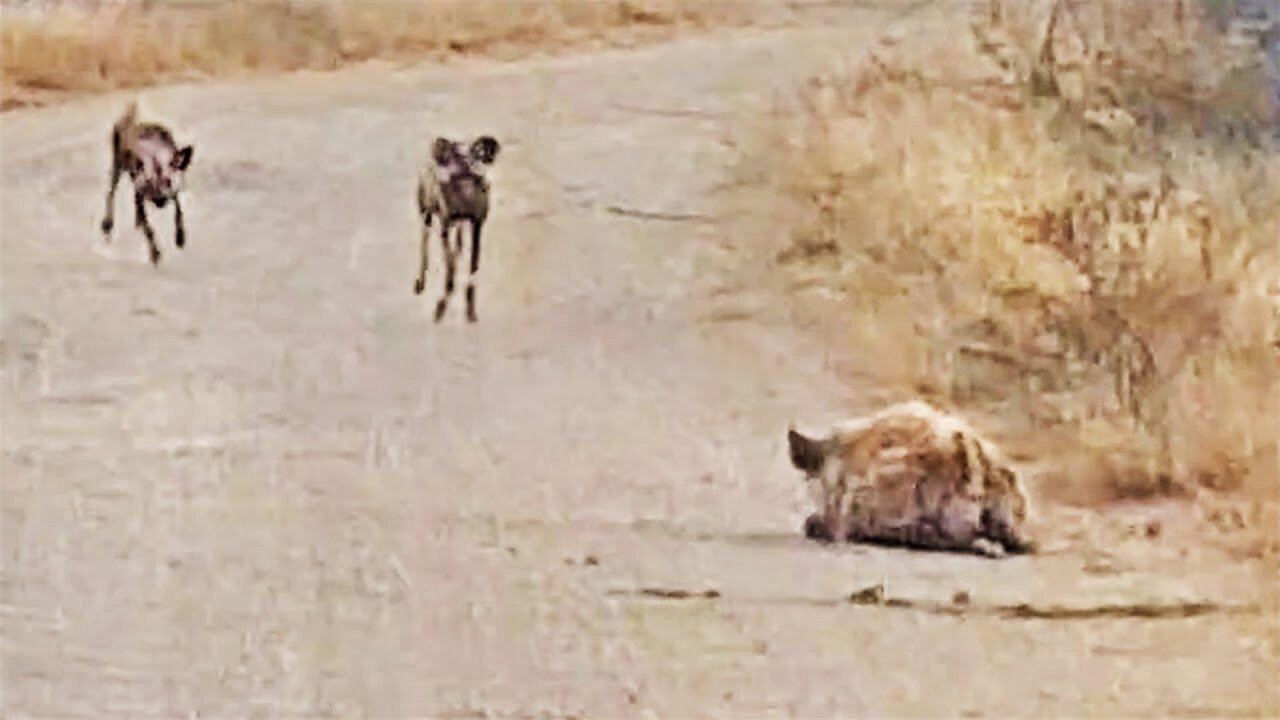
(182, 158)
(485, 149)
(807, 454)
(442, 151)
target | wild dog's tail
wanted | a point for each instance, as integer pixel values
(127, 120)
(130, 115)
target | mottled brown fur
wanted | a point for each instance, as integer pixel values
(911, 475)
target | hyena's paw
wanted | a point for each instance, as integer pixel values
(107, 224)
(815, 528)
(418, 286)
(440, 307)
(1021, 546)
(181, 238)
(988, 548)
(155, 256)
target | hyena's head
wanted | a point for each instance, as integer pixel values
(819, 459)
(1008, 495)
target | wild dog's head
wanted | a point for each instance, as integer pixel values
(452, 160)
(160, 165)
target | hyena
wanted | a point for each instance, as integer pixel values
(156, 165)
(452, 187)
(910, 475)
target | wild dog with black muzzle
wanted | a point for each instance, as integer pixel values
(452, 187)
(156, 166)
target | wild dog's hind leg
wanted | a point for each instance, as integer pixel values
(179, 230)
(108, 220)
(476, 226)
(140, 219)
(450, 262)
(421, 283)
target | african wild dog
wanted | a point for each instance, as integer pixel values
(910, 475)
(156, 166)
(452, 187)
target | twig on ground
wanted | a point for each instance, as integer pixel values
(651, 215)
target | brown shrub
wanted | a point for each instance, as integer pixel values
(67, 46)
(1051, 227)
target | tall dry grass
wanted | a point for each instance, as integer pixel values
(55, 48)
(1067, 222)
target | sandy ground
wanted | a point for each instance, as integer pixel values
(258, 481)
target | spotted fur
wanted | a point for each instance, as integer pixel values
(913, 476)
(156, 166)
(452, 188)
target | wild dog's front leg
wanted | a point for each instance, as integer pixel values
(108, 220)
(450, 263)
(140, 219)
(179, 229)
(425, 244)
(476, 226)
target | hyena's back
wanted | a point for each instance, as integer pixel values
(915, 476)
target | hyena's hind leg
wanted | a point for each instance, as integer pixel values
(140, 219)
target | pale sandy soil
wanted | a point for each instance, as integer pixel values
(257, 481)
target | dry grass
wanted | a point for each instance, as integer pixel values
(63, 46)
(1074, 237)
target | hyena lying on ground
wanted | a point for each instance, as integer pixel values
(913, 476)
(451, 188)
(155, 164)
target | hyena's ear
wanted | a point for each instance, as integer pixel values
(182, 158)
(485, 149)
(807, 454)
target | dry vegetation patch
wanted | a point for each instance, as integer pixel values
(53, 48)
(1067, 222)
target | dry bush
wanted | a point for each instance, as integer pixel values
(1058, 227)
(51, 49)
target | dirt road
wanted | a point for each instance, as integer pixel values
(258, 481)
